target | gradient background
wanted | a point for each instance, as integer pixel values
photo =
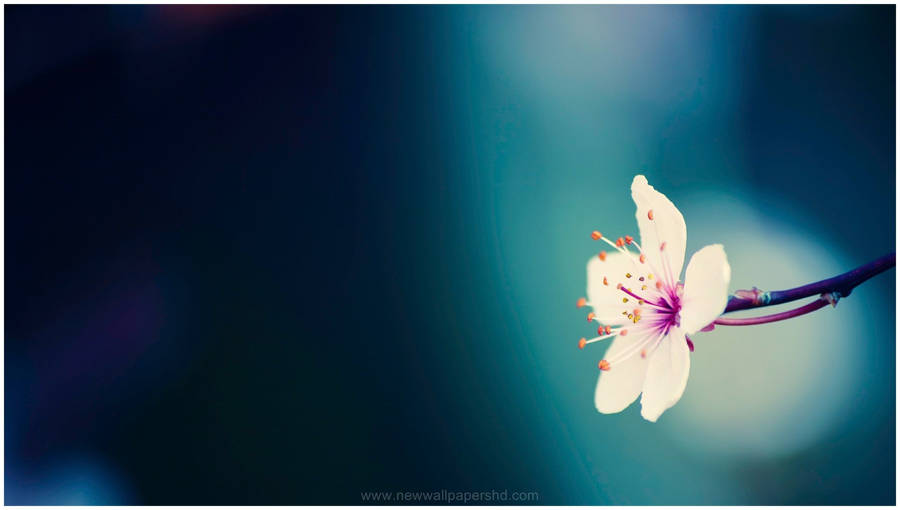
(282, 255)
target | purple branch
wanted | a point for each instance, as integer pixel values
(840, 285)
(775, 317)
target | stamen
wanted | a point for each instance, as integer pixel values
(582, 343)
(605, 281)
(643, 258)
(603, 365)
(581, 302)
(591, 316)
(628, 239)
(641, 300)
(596, 236)
(650, 214)
(618, 246)
(596, 339)
(662, 246)
(623, 332)
(607, 330)
(602, 256)
(643, 351)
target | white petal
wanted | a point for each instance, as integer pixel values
(667, 226)
(621, 384)
(606, 300)
(667, 375)
(705, 288)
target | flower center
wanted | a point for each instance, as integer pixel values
(650, 304)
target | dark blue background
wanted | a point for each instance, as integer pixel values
(252, 253)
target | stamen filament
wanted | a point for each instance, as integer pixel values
(599, 338)
(639, 298)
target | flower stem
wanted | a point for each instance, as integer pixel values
(838, 286)
(775, 317)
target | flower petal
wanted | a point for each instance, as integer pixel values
(606, 299)
(705, 288)
(667, 374)
(622, 383)
(667, 226)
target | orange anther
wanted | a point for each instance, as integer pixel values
(662, 246)
(620, 242)
(643, 259)
(607, 329)
(596, 236)
(603, 365)
(582, 343)
(605, 281)
(581, 302)
(643, 351)
(602, 255)
(658, 284)
(591, 316)
(619, 286)
(650, 214)
(637, 311)
(628, 239)
(623, 332)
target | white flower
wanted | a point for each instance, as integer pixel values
(641, 305)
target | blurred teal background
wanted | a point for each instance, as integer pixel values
(283, 255)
